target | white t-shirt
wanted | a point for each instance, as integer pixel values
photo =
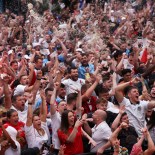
(19, 89)
(33, 138)
(13, 134)
(55, 123)
(22, 114)
(136, 114)
(100, 135)
(111, 107)
(72, 86)
(76, 63)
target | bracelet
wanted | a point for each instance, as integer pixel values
(29, 103)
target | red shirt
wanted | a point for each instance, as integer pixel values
(89, 105)
(1, 132)
(71, 148)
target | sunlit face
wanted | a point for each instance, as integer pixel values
(62, 92)
(153, 92)
(20, 103)
(134, 95)
(102, 106)
(123, 47)
(78, 55)
(24, 80)
(39, 64)
(71, 119)
(74, 74)
(14, 118)
(48, 96)
(84, 60)
(44, 82)
(131, 59)
(127, 77)
(62, 106)
(108, 83)
(15, 66)
(36, 122)
(104, 95)
(26, 96)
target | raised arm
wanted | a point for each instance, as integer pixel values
(36, 85)
(63, 47)
(72, 136)
(53, 97)
(7, 94)
(116, 132)
(22, 70)
(43, 108)
(86, 125)
(151, 148)
(119, 89)
(79, 104)
(112, 92)
(116, 122)
(120, 64)
(30, 111)
(9, 71)
(90, 90)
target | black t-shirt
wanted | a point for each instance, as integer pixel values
(128, 137)
(110, 117)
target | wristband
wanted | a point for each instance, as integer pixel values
(29, 103)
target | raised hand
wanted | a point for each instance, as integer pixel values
(30, 98)
(61, 150)
(78, 123)
(39, 74)
(56, 85)
(42, 94)
(124, 125)
(5, 78)
(98, 77)
(122, 109)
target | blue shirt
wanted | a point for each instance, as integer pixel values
(39, 103)
(61, 58)
(82, 70)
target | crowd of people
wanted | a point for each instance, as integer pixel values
(77, 77)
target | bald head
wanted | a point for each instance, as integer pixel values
(99, 116)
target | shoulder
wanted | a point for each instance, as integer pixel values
(6, 125)
(125, 101)
(142, 102)
(65, 81)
